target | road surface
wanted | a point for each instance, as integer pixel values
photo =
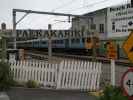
(43, 94)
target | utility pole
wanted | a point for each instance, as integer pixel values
(14, 29)
(3, 42)
(49, 42)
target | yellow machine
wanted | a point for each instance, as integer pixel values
(88, 43)
(92, 42)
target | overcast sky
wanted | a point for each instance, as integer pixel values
(34, 21)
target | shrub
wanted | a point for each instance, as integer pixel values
(112, 93)
(6, 78)
(31, 84)
(18, 84)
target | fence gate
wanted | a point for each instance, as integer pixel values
(69, 74)
(79, 75)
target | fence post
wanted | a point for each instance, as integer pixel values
(59, 74)
(49, 43)
(112, 72)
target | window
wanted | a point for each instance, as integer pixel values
(101, 28)
(93, 26)
(77, 40)
(72, 40)
(43, 42)
(83, 40)
(82, 28)
(59, 41)
(113, 26)
(67, 40)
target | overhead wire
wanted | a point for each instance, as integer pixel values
(64, 5)
(89, 5)
(61, 6)
(84, 6)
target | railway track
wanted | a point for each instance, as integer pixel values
(44, 56)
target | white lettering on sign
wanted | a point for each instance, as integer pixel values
(35, 34)
(120, 20)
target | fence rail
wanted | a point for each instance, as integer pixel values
(69, 74)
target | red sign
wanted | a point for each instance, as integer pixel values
(127, 83)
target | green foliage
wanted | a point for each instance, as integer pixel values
(112, 93)
(31, 84)
(6, 78)
(18, 84)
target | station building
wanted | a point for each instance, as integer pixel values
(112, 22)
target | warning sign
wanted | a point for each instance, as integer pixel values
(111, 50)
(128, 47)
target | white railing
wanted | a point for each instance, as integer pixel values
(69, 74)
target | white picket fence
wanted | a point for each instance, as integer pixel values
(79, 75)
(41, 72)
(69, 74)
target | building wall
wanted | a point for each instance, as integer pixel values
(80, 23)
(100, 17)
(94, 18)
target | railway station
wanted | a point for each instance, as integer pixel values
(92, 58)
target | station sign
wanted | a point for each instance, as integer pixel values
(120, 20)
(128, 47)
(127, 83)
(111, 50)
(35, 34)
